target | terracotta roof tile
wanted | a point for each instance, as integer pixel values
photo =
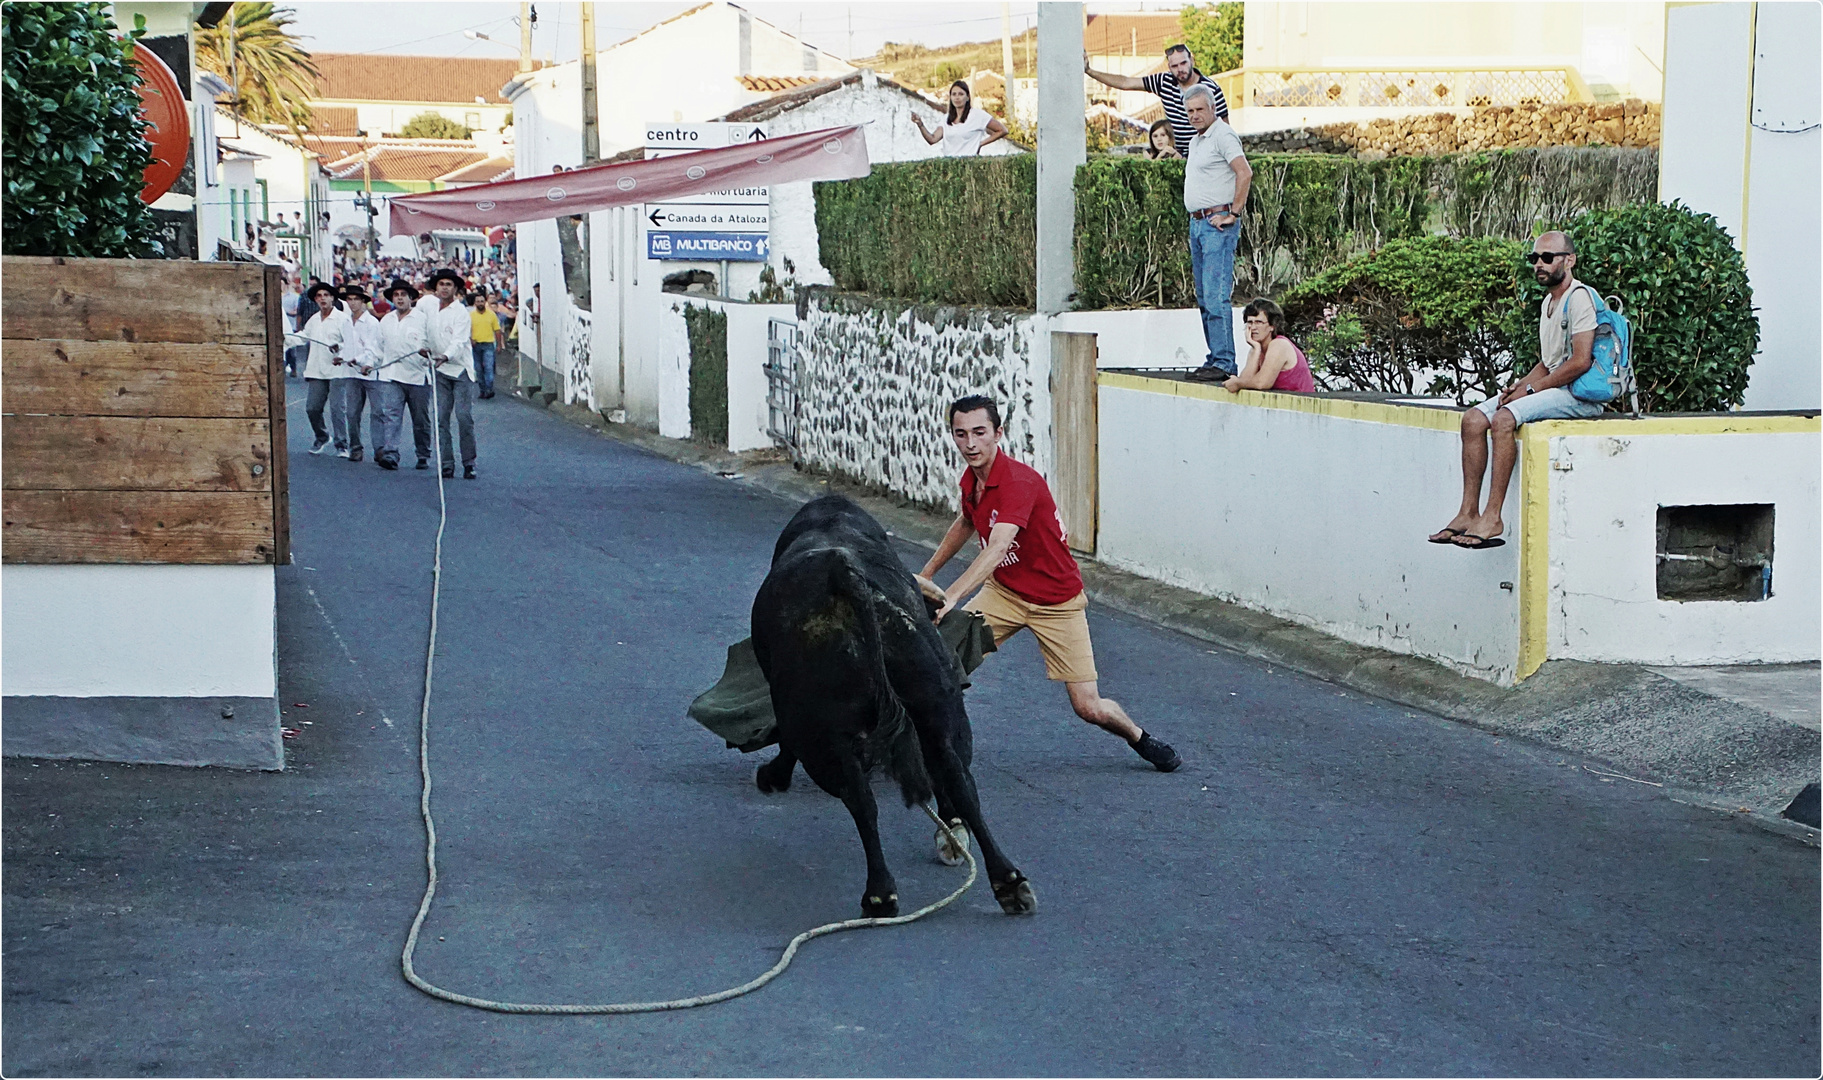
(776, 84)
(481, 172)
(334, 120)
(446, 79)
(393, 161)
(1117, 35)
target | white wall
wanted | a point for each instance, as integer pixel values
(1149, 337)
(139, 631)
(1320, 519)
(1605, 495)
(1740, 141)
(673, 369)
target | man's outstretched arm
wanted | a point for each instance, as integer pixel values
(999, 541)
(1118, 82)
(958, 534)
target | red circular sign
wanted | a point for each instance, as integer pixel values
(167, 123)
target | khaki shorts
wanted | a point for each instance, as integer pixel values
(1062, 629)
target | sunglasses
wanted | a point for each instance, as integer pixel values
(1536, 257)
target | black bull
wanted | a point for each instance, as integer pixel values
(860, 679)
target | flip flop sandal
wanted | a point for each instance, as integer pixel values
(1447, 536)
(1480, 542)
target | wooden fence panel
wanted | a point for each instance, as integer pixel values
(144, 407)
(1075, 435)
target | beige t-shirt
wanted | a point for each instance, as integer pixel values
(1552, 345)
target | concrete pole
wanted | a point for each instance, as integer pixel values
(1062, 146)
(1006, 56)
(591, 100)
(525, 37)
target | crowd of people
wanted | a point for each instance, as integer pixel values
(396, 337)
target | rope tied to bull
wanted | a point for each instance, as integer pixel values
(430, 847)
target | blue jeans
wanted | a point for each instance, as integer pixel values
(1212, 268)
(484, 365)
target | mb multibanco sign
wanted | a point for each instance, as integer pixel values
(728, 226)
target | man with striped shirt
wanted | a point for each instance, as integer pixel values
(1169, 85)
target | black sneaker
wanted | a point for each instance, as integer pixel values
(468, 472)
(423, 463)
(1209, 373)
(1162, 757)
(449, 472)
(355, 454)
(386, 462)
(321, 445)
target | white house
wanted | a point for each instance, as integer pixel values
(291, 181)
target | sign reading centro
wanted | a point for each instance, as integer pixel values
(731, 224)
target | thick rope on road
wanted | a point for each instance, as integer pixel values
(430, 842)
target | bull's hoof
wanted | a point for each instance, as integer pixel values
(880, 907)
(951, 853)
(772, 779)
(1015, 895)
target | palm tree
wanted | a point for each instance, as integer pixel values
(272, 76)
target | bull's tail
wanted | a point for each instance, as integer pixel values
(893, 742)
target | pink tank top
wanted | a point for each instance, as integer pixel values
(1296, 378)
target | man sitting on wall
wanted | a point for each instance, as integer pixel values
(1566, 348)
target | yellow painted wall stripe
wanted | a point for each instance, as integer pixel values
(1373, 412)
(1534, 548)
(1717, 424)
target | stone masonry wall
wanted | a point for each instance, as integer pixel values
(876, 376)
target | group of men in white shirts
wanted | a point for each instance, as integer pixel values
(420, 351)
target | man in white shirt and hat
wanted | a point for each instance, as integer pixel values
(361, 356)
(404, 374)
(324, 333)
(449, 335)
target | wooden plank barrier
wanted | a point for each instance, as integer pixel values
(144, 415)
(1075, 436)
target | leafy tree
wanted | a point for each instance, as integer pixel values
(72, 137)
(273, 77)
(1213, 32)
(430, 125)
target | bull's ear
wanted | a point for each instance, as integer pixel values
(933, 592)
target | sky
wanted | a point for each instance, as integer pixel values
(435, 29)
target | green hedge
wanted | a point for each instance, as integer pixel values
(708, 373)
(962, 230)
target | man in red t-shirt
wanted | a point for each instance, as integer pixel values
(1027, 576)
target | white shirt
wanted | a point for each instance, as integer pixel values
(963, 138)
(324, 331)
(403, 337)
(363, 348)
(448, 332)
(1208, 178)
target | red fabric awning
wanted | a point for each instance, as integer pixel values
(830, 154)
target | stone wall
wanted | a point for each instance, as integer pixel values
(876, 376)
(1631, 123)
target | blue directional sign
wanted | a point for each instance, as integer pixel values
(708, 246)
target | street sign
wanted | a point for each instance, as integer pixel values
(708, 246)
(709, 217)
(729, 225)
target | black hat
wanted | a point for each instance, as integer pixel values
(317, 287)
(450, 275)
(400, 285)
(355, 292)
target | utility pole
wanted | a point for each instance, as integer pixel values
(367, 194)
(1006, 55)
(591, 129)
(525, 37)
(1061, 148)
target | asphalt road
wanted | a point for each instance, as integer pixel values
(1330, 885)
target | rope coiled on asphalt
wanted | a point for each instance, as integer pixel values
(430, 844)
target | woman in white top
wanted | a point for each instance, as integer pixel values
(966, 129)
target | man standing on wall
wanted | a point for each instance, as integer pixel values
(1216, 180)
(1170, 86)
(448, 335)
(1027, 576)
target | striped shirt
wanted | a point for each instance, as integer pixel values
(1171, 95)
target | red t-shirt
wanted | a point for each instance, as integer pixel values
(1039, 567)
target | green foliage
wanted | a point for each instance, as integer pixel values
(940, 230)
(1213, 33)
(1131, 230)
(1430, 308)
(1461, 315)
(708, 373)
(1684, 287)
(430, 125)
(71, 134)
(272, 75)
(773, 289)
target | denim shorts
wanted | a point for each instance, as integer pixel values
(1557, 403)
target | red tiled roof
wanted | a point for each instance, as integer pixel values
(334, 120)
(777, 84)
(445, 79)
(490, 171)
(396, 161)
(1117, 35)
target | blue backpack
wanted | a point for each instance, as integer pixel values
(1610, 377)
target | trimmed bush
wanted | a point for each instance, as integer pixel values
(940, 230)
(72, 138)
(708, 373)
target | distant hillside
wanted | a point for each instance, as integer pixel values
(934, 69)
